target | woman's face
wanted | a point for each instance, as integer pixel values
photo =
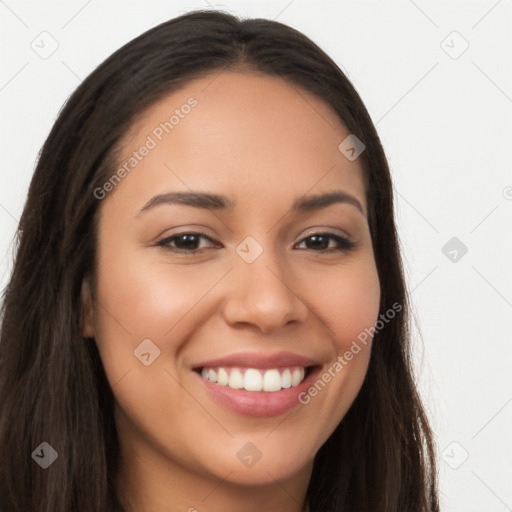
(244, 289)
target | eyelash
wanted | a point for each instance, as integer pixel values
(345, 245)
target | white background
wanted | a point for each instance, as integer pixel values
(446, 127)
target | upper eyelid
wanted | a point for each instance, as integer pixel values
(327, 231)
(310, 231)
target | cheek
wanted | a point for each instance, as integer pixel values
(146, 298)
(156, 301)
(348, 301)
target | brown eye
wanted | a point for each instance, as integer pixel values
(319, 242)
(183, 242)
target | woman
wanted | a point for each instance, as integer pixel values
(207, 309)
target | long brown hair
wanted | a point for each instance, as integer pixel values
(53, 387)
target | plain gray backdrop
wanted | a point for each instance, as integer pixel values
(436, 78)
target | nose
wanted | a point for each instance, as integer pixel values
(262, 295)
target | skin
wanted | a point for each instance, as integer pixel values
(262, 143)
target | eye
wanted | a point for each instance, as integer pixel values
(321, 241)
(183, 242)
(317, 242)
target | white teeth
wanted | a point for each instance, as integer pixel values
(222, 377)
(272, 381)
(236, 379)
(297, 376)
(252, 379)
(286, 379)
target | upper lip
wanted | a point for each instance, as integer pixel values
(257, 360)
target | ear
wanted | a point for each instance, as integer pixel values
(87, 310)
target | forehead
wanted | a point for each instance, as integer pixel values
(238, 133)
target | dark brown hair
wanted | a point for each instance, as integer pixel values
(53, 387)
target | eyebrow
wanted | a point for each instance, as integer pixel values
(219, 202)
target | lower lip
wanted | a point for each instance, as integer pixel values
(261, 404)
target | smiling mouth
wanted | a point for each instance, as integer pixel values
(269, 380)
